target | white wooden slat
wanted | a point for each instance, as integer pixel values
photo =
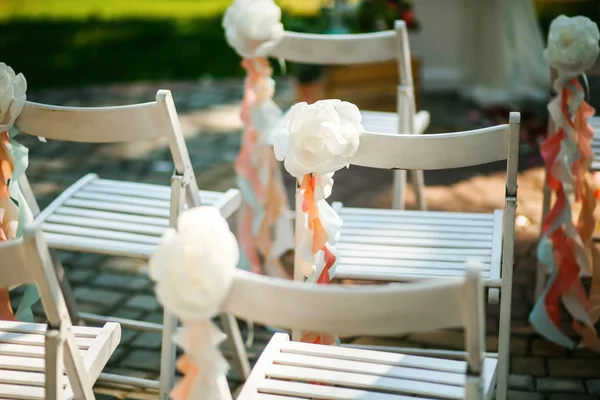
(147, 190)
(396, 274)
(104, 224)
(22, 363)
(496, 260)
(113, 216)
(124, 208)
(37, 339)
(22, 377)
(122, 199)
(415, 219)
(393, 252)
(417, 242)
(412, 227)
(19, 350)
(438, 214)
(100, 233)
(414, 250)
(110, 247)
(261, 396)
(430, 234)
(309, 391)
(401, 360)
(362, 381)
(416, 374)
(395, 263)
(32, 327)
(21, 392)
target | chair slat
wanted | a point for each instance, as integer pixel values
(417, 242)
(362, 381)
(431, 234)
(414, 250)
(395, 359)
(37, 339)
(422, 219)
(351, 223)
(124, 208)
(21, 392)
(100, 233)
(119, 226)
(113, 216)
(397, 274)
(397, 253)
(122, 199)
(396, 213)
(416, 374)
(310, 391)
(102, 246)
(425, 265)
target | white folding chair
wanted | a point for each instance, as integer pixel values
(34, 357)
(368, 48)
(288, 369)
(402, 245)
(125, 218)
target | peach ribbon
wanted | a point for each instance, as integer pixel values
(8, 214)
(263, 219)
(319, 243)
(568, 155)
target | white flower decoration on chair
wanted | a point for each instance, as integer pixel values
(253, 27)
(194, 268)
(572, 44)
(319, 138)
(12, 96)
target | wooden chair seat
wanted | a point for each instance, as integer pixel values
(117, 217)
(402, 245)
(22, 356)
(289, 369)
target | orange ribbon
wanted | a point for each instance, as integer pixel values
(183, 389)
(6, 170)
(319, 241)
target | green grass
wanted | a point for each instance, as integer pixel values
(119, 9)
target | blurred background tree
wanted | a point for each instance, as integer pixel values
(58, 43)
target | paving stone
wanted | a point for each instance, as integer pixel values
(521, 395)
(150, 340)
(107, 298)
(80, 275)
(117, 281)
(534, 366)
(518, 345)
(144, 360)
(541, 347)
(129, 313)
(520, 382)
(101, 396)
(127, 336)
(555, 385)
(142, 301)
(593, 386)
(572, 396)
(574, 368)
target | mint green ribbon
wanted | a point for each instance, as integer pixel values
(20, 156)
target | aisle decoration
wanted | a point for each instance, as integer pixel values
(193, 267)
(318, 140)
(14, 211)
(253, 28)
(565, 246)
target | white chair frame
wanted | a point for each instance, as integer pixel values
(28, 260)
(349, 49)
(130, 123)
(349, 310)
(445, 151)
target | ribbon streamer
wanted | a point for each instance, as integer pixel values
(265, 232)
(565, 248)
(318, 256)
(14, 213)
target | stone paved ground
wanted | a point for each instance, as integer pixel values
(120, 287)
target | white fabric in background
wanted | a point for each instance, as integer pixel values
(503, 58)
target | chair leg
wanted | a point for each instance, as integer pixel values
(54, 365)
(167, 356)
(418, 182)
(504, 343)
(236, 344)
(65, 287)
(399, 190)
